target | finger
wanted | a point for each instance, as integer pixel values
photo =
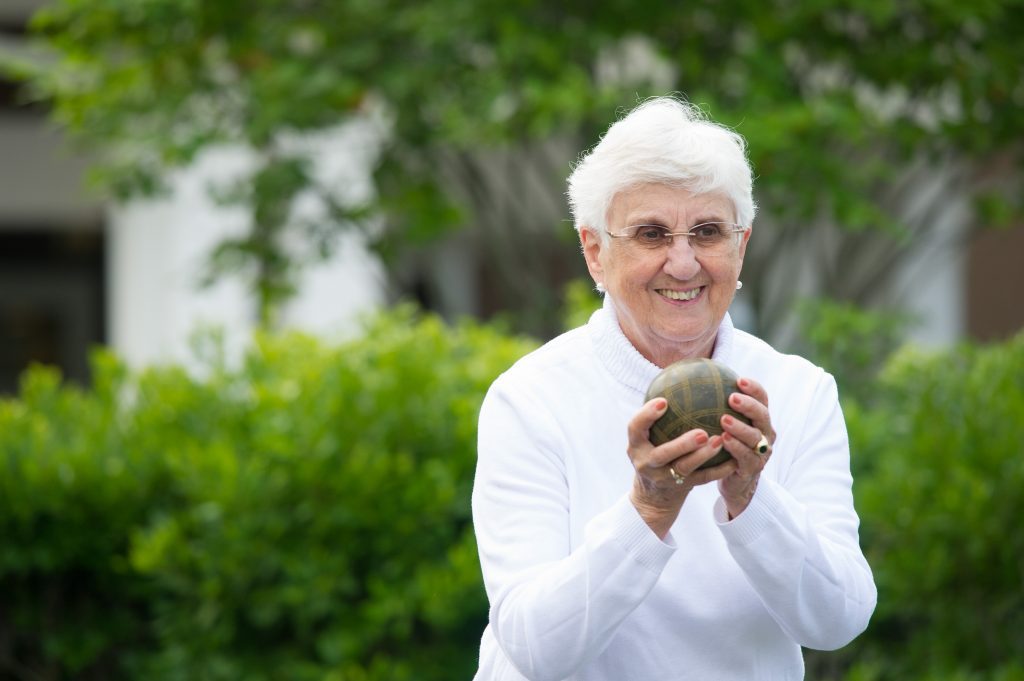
(754, 389)
(745, 433)
(739, 448)
(755, 410)
(639, 426)
(699, 476)
(748, 406)
(689, 443)
(722, 470)
(695, 458)
(750, 461)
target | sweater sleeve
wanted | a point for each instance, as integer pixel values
(797, 542)
(552, 608)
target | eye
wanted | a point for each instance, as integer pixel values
(709, 231)
(651, 235)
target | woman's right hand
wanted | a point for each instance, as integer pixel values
(665, 474)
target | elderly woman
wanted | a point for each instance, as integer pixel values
(608, 558)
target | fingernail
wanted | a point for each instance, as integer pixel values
(661, 403)
(743, 383)
(727, 420)
(701, 438)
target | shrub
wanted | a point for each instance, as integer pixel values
(941, 508)
(72, 491)
(853, 343)
(305, 516)
(939, 469)
(581, 300)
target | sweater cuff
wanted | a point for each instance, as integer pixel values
(629, 530)
(760, 514)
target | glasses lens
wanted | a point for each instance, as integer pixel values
(710, 238)
(650, 236)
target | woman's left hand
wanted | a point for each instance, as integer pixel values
(741, 440)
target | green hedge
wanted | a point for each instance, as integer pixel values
(939, 484)
(306, 514)
(303, 517)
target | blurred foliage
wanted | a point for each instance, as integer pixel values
(937, 442)
(306, 515)
(851, 342)
(834, 97)
(303, 516)
(944, 457)
(581, 300)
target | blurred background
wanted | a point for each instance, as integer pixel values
(227, 229)
(313, 163)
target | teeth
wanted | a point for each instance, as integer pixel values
(679, 295)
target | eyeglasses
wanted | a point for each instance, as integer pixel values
(707, 238)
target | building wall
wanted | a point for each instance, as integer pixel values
(77, 272)
(995, 276)
(158, 250)
(51, 253)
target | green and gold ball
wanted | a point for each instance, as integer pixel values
(698, 392)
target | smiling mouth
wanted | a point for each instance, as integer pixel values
(680, 295)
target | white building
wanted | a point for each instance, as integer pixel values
(76, 271)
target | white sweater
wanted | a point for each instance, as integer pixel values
(581, 588)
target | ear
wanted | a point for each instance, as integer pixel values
(591, 242)
(743, 243)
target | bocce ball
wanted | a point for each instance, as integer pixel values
(697, 391)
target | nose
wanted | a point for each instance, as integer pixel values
(680, 260)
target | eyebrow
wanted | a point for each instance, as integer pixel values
(703, 219)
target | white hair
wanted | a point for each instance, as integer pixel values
(661, 141)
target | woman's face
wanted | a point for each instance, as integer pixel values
(669, 301)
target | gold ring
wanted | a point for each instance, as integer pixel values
(680, 479)
(762, 445)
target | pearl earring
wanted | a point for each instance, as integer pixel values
(739, 284)
(600, 287)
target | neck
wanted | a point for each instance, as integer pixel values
(663, 356)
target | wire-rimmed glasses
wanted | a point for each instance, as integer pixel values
(707, 238)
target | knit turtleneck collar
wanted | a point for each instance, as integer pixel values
(625, 362)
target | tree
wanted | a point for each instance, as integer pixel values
(846, 105)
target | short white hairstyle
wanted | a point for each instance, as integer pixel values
(662, 141)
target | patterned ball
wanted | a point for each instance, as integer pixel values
(697, 391)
